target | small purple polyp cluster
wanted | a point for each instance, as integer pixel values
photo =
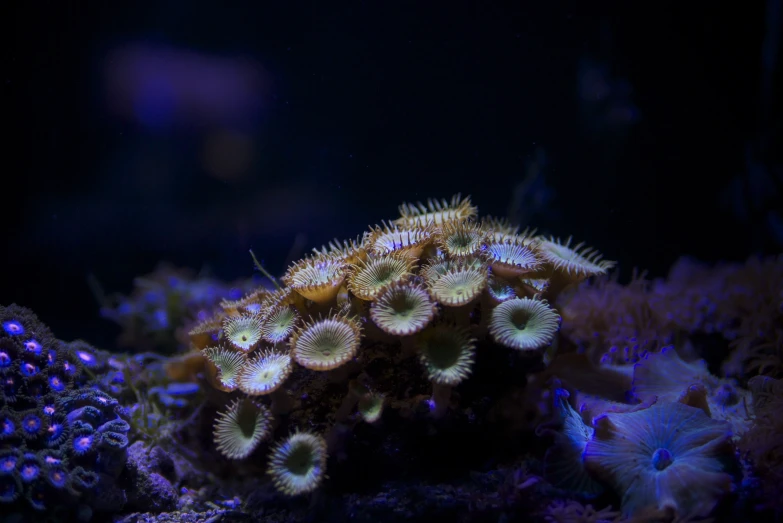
(619, 323)
(83, 443)
(31, 424)
(58, 433)
(164, 300)
(33, 346)
(13, 328)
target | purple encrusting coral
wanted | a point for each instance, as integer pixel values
(665, 376)
(49, 407)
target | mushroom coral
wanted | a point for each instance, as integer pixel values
(564, 465)
(667, 377)
(665, 457)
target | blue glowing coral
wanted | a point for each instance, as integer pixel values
(50, 356)
(56, 432)
(33, 347)
(82, 442)
(29, 369)
(32, 425)
(57, 383)
(175, 394)
(9, 458)
(666, 376)
(8, 425)
(52, 454)
(13, 327)
(85, 353)
(29, 468)
(113, 440)
(57, 476)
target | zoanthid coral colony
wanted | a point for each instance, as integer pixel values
(437, 282)
(62, 438)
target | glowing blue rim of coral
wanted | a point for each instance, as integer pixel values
(13, 328)
(31, 423)
(57, 477)
(8, 427)
(56, 383)
(30, 469)
(55, 432)
(83, 443)
(50, 458)
(32, 346)
(89, 360)
(115, 425)
(183, 389)
(29, 370)
(70, 369)
(8, 464)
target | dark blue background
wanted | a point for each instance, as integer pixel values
(365, 106)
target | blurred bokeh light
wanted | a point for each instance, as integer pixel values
(161, 87)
